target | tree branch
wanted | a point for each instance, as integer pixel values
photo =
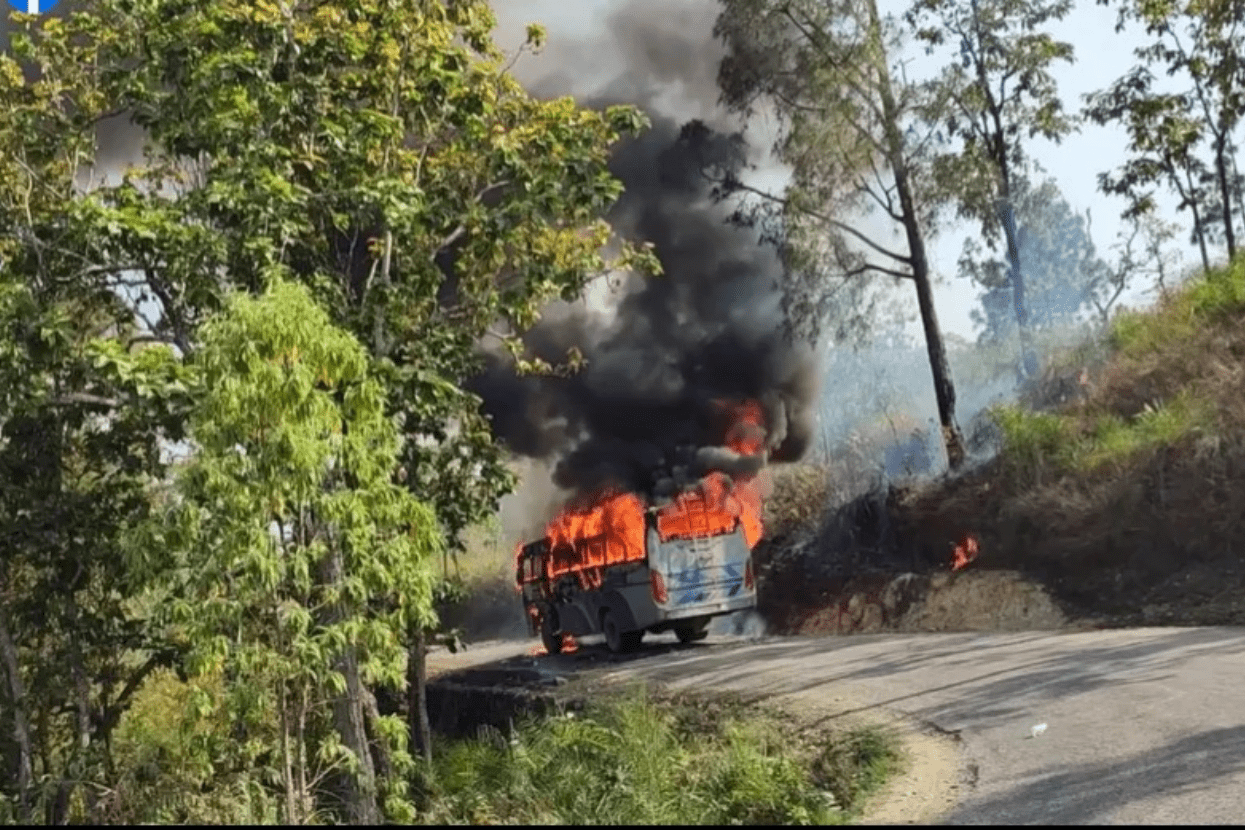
(114, 710)
(821, 217)
(844, 75)
(881, 269)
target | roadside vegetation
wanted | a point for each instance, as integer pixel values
(636, 757)
(1167, 377)
(640, 759)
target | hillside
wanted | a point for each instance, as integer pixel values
(1117, 497)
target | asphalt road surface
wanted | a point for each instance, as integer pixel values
(1143, 726)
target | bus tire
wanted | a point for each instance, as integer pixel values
(692, 631)
(617, 640)
(550, 637)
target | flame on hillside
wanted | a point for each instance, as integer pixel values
(964, 553)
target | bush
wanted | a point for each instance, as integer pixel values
(1222, 291)
(166, 760)
(801, 494)
(1032, 441)
(636, 761)
(1113, 439)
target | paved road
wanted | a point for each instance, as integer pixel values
(1143, 725)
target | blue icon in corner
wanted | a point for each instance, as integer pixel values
(33, 6)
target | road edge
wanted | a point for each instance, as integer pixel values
(934, 772)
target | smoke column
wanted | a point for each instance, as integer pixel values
(644, 414)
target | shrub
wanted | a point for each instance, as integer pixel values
(1032, 441)
(638, 761)
(800, 496)
(165, 758)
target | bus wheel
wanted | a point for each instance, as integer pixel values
(550, 637)
(692, 631)
(616, 639)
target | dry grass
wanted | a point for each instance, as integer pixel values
(801, 495)
(1119, 489)
(1129, 498)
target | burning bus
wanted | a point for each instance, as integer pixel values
(620, 566)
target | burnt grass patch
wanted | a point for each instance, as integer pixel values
(1156, 542)
(1119, 503)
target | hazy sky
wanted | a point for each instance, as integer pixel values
(1101, 57)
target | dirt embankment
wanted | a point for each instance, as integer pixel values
(1130, 559)
(1154, 538)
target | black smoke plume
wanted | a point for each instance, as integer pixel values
(645, 413)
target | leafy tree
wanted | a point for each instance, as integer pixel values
(377, 153)
(1000, 93)
(1156, 258)
(79, 430)
(1198, 40)
(850, 132)
(85, 406)
(304, 563)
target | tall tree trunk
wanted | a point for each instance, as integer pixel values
(417, 696)
(58, 808)
(1007, 217)
(1004, 208)
(287, 757)
(380, 756)
(1198, 229)
(944, 387)
(361, 801)
(17, 701)
(1225, 195)
(305, 802)
(348, 715)
(416, 674)
(1236, 180)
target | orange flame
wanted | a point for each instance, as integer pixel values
(593, 533)
(585, 537)
(746, 431)
(568, 645)
(964, 553)
(746, 436)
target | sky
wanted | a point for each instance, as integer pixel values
(1101, 55)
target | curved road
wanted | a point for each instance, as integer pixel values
(1143, 726)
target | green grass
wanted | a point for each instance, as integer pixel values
(1111, 438)
(1038, 441)
(640, 761)
(1033, 440)
(1219, 292)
